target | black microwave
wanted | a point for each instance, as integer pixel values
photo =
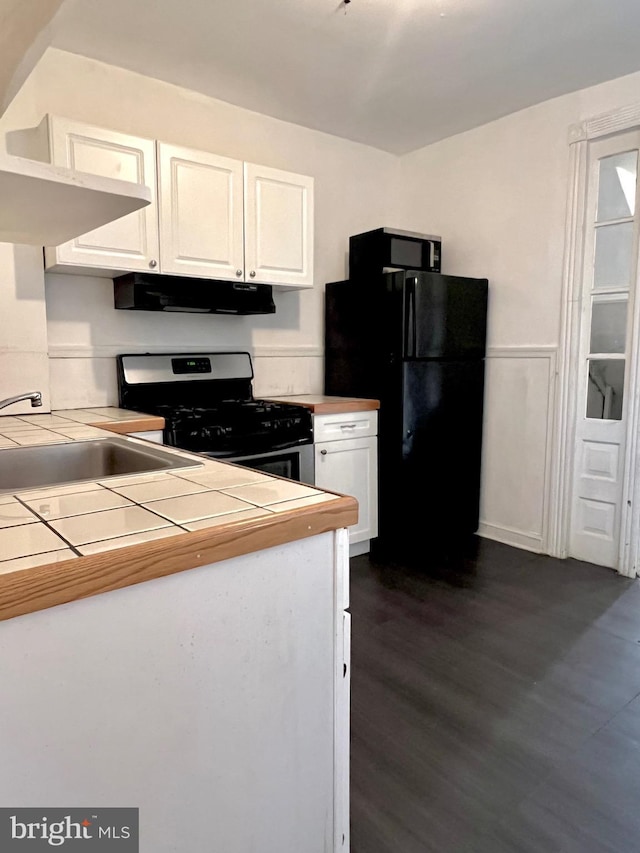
(386, 250)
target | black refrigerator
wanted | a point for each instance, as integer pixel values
(416, 341)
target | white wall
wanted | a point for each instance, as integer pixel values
(353, 184)
(23, 325)
(498, 195)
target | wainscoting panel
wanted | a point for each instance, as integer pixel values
(518, 428)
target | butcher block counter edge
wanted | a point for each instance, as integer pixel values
(321, 404)
(33, 589)
(144, 424)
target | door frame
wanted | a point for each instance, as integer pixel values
(618, 121)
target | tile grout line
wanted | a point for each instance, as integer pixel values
(48, 526)
(169, 523)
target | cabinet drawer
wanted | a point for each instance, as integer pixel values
(344, 425)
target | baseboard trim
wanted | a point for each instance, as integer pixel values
(510, 536)
(360, 548)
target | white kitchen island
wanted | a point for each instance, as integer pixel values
(213, 699)
(202, 677)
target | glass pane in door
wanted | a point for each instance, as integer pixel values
(614, 256)
(617, 186)
(608, 326)
(604, 394)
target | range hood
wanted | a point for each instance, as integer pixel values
(144, 292)
(46, 205)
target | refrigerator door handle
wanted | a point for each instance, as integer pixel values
(410, 321)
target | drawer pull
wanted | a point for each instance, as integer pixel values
(323, 452)
(348, 426)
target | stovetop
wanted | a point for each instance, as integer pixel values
(208, 405)
(226, 410)
(236, 427)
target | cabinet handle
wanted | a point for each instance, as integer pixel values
(238, 273)
(348, 426)
(153, 264)
(252, 273)
(323, 452)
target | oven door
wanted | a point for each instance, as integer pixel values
(294, 463)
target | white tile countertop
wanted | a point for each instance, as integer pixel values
(72, 424)
(62, 524)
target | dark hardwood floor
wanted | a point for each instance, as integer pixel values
(495, 706)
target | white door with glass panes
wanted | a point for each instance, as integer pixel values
(201, 216)
(128, 243)
(606, 343)
(278, 222)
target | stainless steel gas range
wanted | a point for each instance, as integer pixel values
(207, 402)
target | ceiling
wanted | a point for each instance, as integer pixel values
(394, 74)
(21, 22)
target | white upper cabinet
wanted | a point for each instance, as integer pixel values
(129, 243)
(200, 214)
(210, 216)
(278, 209)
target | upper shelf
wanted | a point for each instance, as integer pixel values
(47, 205)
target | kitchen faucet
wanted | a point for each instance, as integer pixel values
(34, 396)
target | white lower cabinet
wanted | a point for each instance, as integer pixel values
(350, 466)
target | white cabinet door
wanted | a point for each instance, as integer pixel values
(278, 211)
(351, 467)
(201, 223)
(129, 243)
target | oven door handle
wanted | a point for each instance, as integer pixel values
(230, 455)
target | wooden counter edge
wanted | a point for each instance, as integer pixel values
(30, 590)
(123, 427)
(333, 407)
